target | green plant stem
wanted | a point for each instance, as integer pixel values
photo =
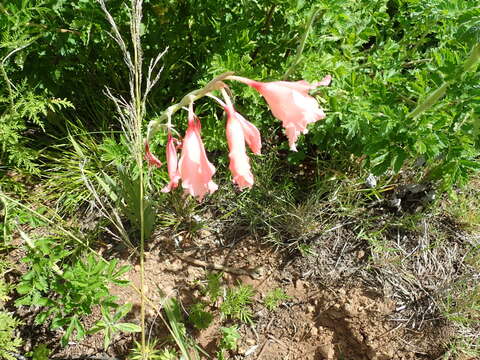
(473, 58)
(215, 84)
(438, 93)
(137, 58)
(431, 99)
(301, 45)
(9, 86)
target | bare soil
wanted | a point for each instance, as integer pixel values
(347, 320)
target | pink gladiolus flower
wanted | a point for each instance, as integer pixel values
(240, 131)
(251, 133)
(194, 168)
(290, 103)
(150, 158)
(172, 164)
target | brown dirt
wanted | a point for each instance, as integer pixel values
(349, 322)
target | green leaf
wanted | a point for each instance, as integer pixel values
(24, 288)
(122, 311)
(69, 331)
(128, 327)
(420, 147)
(398, 160)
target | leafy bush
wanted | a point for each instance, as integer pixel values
(9, 341)
(68, 291)
(386, 57)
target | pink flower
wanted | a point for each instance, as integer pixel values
(194, 168)
(150, 158)
(172, 164)
(290, 103)
(240, 131)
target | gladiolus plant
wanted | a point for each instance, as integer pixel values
(289, 102)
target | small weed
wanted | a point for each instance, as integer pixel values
(151, 352)
(67, 290)
(237, 301)
(306, 250)
(228, 342)
(178, 330)
(110, 324)
(9, 342)
(462, 305)
(200, 318)
(213, 287)
(466, 210)
(274, 298)
(40, 352)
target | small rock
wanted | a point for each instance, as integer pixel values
(205, 233)
(310, 309)
(328, 351)
(350, 309)
(430, 196)
(314, 331)
(191, 273)
(371, 181)
(251, 350)
(395, 203)
(416, 188)
(300, 284)
(420, 161)
(227, 277)
(247, 348)
(176, 265)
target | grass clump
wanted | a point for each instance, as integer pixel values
(274, 298)
(237, 303)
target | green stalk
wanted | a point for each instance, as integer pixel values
(438, 93)
(137, 63)
(215, 84)
(9, 86)
(431, 99)
(301, 45)
(473, 58)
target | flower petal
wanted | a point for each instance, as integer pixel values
(194, 168)
(151, 159)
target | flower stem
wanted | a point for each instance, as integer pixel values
(215, 84)
(438, 93)
(301, 45)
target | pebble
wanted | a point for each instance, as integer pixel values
(176, 265)
(310, 309)
(314, 331)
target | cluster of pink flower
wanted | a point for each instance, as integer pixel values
(289, 102)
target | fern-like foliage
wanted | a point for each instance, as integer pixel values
(9, 342)
(21, 109)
